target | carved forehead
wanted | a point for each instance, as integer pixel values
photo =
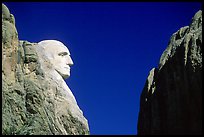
(53, 46)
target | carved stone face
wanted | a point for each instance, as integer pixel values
(59, 56)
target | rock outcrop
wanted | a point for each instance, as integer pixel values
(32, 102)
(171, 100)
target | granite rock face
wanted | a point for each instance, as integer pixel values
(32, 102)
(171, 100)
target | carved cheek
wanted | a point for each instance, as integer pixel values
(57, 60)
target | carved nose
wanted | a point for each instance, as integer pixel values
(70, 62)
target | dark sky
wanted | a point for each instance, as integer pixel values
(114, 45)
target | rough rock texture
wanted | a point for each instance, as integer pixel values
(171, 101)
(32, 102)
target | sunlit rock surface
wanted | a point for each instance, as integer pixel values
(34, 102)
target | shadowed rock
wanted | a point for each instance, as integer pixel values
(171, 100)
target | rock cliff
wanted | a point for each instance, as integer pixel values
(32, 102)
(171, 100)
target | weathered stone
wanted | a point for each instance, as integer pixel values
(30, 53)
(32, 102)
(12, 19)
(5, 12)
(9, 34)
(175, 106)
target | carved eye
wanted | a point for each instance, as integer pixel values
(62, 54)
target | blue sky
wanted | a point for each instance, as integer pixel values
(114, 45)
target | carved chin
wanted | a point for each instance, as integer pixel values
(64, 75)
